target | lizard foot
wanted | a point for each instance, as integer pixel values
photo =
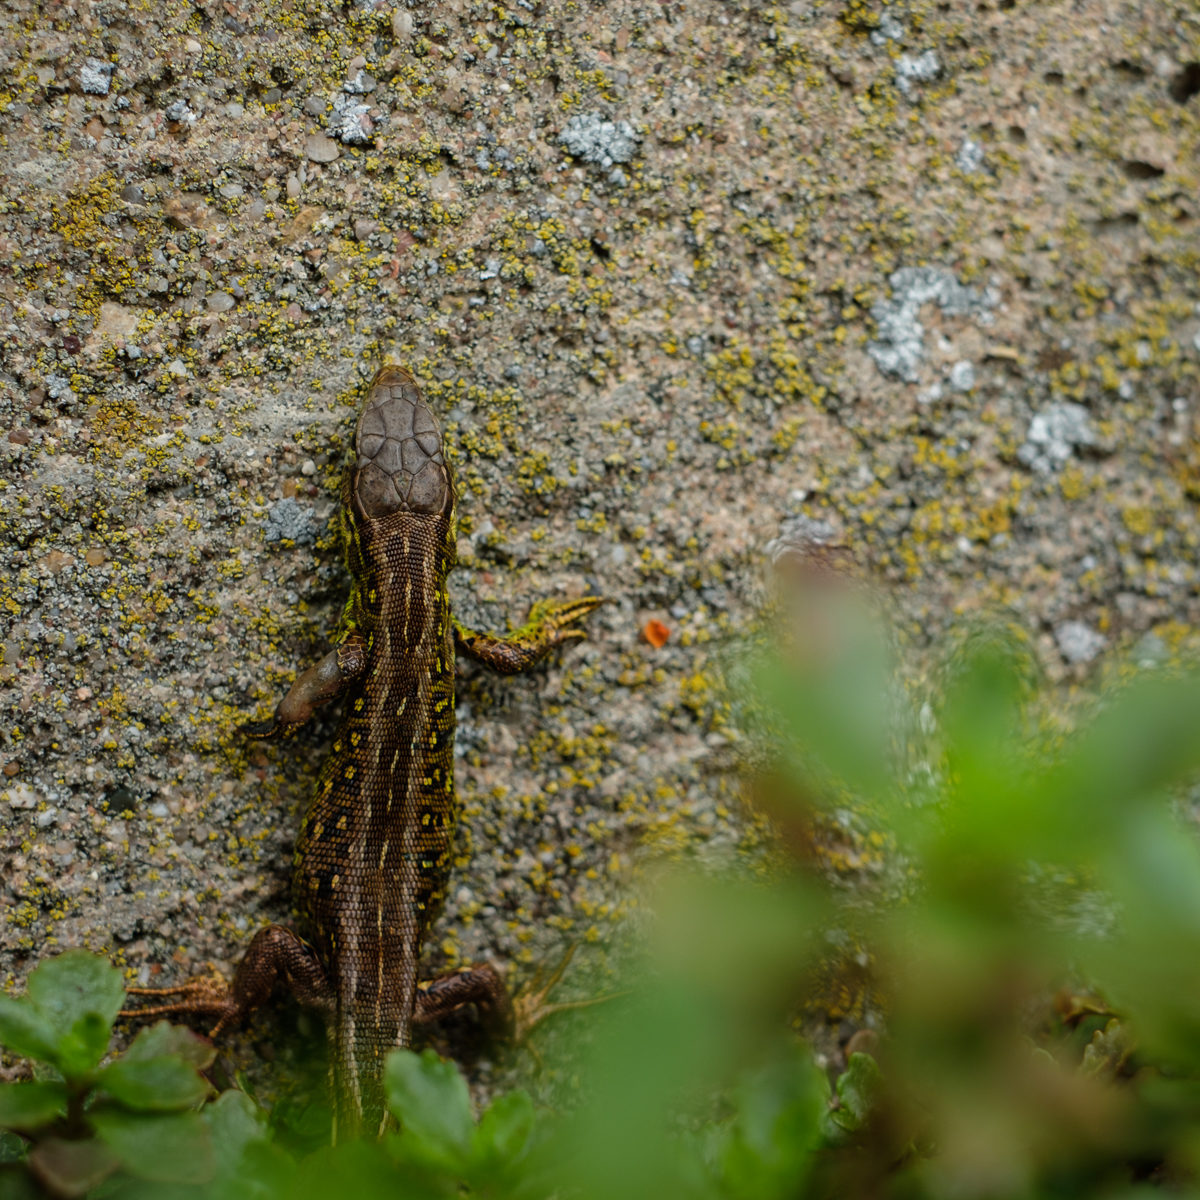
(551, 623)
(208, 995)
(530, 1006)
(554, 621)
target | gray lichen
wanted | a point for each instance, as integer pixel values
(286, 519)
(1077, 642)
(899, 345)
(1054, 435)
(95, 77)
(594, 139)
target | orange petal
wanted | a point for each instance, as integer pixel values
(656, 633)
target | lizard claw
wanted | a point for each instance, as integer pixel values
(555, 620)
(257, 730)
(208, 995)
(530, 1006)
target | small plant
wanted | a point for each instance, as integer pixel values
(77, 1124)
(149, 1124)
(1030, 936)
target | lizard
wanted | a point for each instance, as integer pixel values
(373, 853)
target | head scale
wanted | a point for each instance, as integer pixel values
(399, 465)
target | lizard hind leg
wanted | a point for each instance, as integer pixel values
(514, 1016)
(479, 985)
(275, 955)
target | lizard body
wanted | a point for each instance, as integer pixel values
(374, 848)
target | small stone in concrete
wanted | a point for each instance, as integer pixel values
(318, 148)
(180, 111)
(20, 795)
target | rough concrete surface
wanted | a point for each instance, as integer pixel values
(673, 273)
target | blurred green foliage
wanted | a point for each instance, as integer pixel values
(1031, 946)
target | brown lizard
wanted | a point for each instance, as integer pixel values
(374, 849)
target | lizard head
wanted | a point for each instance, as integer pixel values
(399, 464)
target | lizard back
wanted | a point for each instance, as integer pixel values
(374, 847)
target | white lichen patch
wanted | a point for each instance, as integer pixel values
(1054, 435)
(594, 139)
(920, 68)
(350, 121)
(899, 345)
(1078, 642)
(95, 77)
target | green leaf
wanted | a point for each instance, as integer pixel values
(163, 1038)
(154, 1084)
(505, 1128)
(981, 714)
(431, 1100)
(779, 1110)
(83, 1045)
(66, 988)
(362, 1168)
(71, 1168)
(25, 1031)
(248, 1164)
(31, 1105)
(235, 1122)
(164, 1148)
(857, 1088)
(13, 1149)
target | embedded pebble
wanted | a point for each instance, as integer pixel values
(20, 795)
(317, 148)
(180, 111)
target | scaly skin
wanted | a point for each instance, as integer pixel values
(374, 847)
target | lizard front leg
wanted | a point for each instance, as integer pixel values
(316, 686)
(551, 623)
(275, 955)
